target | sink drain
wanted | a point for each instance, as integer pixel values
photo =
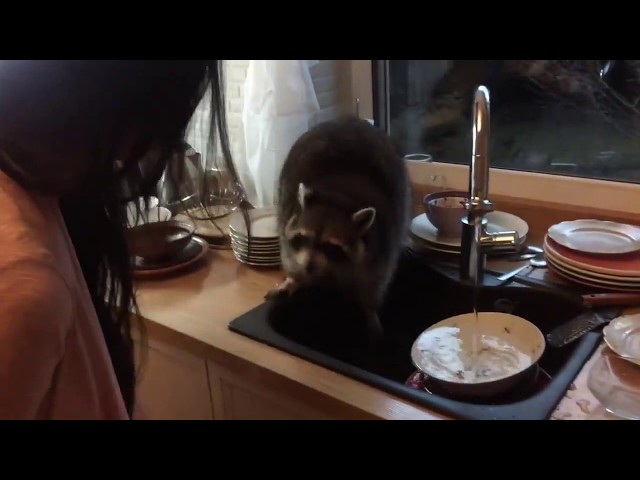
(504, 305)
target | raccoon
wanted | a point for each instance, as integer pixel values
(343, 212)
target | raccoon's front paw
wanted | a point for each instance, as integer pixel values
(285, 289)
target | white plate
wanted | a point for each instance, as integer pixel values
(596, 236)
(623, 337)
(594, 277)
(253, 263)
(263, 223)
(255, 249)
(624, 280)
(258, 252)
(496, 222)
(262, 242)
(423, 245)
(617, 266)
(590, 281)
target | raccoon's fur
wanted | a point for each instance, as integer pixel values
(343, 212)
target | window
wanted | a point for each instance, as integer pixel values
(577, 122)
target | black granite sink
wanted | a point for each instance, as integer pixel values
(326, 330)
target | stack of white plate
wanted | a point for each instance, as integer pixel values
(264, 248)
(426, 235)
(595, 253)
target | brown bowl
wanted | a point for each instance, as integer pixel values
(445, 210)
(160, 239)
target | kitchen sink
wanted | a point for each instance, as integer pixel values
(324, 329)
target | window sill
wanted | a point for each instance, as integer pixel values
(582, 193)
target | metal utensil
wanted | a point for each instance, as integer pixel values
(533, 263)
(581, 325)
(529, 251)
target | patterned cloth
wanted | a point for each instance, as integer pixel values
(577, 404)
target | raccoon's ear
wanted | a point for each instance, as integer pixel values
(303, 193)
(363, 219)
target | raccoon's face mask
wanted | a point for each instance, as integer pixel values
(325, 241)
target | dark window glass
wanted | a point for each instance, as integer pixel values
(571, 117)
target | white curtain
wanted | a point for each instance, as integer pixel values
(280, 104)
(197, 134)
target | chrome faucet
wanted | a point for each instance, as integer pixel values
(476, 241)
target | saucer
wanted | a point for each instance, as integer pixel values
(195, 250)
(497, 221)
(596, 237)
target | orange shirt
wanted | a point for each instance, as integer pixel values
(54, 362)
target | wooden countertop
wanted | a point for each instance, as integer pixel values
(194, 308)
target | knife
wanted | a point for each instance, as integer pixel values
(581, 325)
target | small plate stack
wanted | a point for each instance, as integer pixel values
(264, 248)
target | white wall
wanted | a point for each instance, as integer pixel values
(235, 75)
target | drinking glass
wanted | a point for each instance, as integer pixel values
(615, 382)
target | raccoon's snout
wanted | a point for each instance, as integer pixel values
(310, 262)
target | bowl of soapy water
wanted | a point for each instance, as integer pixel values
(478, 356)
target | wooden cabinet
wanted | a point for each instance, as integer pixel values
(174, 384)
(236, 398)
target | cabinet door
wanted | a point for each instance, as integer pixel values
(235, 398)
(173, 384)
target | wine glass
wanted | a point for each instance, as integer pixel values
(615, 383)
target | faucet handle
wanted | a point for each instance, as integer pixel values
(500, 241)
(478, 205)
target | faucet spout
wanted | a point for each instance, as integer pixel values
(475, 239)
(479, 177)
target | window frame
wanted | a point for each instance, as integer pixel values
(579, 192)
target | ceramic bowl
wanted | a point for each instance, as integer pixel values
(159, 240)
(508, 347)
(445, 210)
